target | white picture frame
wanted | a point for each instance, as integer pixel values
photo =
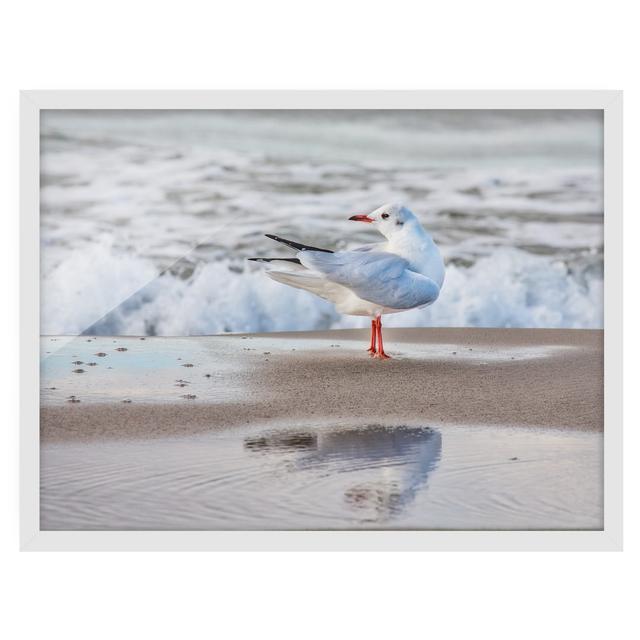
(33, 539)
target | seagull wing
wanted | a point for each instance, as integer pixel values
(379, 277)
(375, 246)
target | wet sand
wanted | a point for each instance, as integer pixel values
(142, 388)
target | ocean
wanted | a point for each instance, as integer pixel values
(148, 217)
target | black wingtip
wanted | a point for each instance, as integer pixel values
(293, 260)
(298, 246)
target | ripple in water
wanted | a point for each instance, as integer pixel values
(368, 477)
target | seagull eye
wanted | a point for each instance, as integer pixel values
(385, 216)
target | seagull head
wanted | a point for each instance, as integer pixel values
(389, 219)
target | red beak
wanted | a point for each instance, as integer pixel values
(361, 218)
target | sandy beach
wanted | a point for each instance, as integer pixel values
(539, 378)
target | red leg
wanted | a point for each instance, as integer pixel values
(372, 348)
(380, 353)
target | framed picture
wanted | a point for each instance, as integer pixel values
(321, 320)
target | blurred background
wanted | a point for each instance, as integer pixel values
(147, 217)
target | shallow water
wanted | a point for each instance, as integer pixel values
(328, 477)
(131, 369)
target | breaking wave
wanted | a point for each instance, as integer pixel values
(227, 296)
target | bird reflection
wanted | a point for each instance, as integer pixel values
(391, 463)
(284, 441)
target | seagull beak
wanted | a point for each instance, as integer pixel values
(361, 218)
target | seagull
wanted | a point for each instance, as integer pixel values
(405, 272)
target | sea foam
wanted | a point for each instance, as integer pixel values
(120, 295)
(148, 218)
